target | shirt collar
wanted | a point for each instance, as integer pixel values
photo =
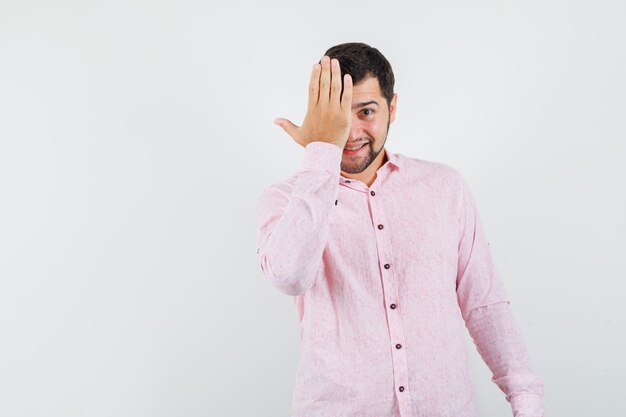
(393, 158)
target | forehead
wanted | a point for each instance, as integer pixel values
(368, 87)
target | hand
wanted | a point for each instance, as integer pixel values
(329, 114)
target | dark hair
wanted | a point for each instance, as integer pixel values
(361, 61)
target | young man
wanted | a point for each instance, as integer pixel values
(387, 261)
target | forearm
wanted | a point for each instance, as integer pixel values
(293, 228)
(499, 341)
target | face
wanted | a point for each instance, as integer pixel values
(371, 117)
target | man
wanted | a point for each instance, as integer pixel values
(387, 261)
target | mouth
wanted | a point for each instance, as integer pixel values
(346, 151)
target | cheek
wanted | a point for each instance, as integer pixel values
(374, 127)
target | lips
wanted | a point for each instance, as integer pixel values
(353, 145)
(357, 151)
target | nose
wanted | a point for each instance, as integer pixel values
(356, 131)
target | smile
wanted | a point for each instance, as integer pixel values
(355, 151)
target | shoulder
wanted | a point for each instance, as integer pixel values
(440, 182)
(431, 171)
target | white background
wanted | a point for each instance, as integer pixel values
(135, 140)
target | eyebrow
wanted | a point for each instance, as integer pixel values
(364, 103)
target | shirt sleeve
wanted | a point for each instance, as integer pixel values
(486, 309)
(293, 220)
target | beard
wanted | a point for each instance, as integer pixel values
(357, 164)
(360, 163)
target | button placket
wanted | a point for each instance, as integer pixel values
(390, 291)
(354, 184)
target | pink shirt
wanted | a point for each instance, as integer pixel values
(384, 280)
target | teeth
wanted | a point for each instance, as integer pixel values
(354, 149)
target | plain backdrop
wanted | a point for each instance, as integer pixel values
(135, 140)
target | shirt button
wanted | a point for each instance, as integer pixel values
(398, 346)
(347, 181)
(393, 306)
(372, 193)
(401, 389)
(387, 266)
(380, 227)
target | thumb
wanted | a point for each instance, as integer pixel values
(287, 126)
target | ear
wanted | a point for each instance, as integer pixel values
(392, 108)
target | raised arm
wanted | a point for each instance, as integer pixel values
(293, 217)
(293, 220)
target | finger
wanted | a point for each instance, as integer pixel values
(335, 87)
(314, 85)
(325, 81)
(287, 126)
(346, 98)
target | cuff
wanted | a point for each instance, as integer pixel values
(322, 156)
(527, 405)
